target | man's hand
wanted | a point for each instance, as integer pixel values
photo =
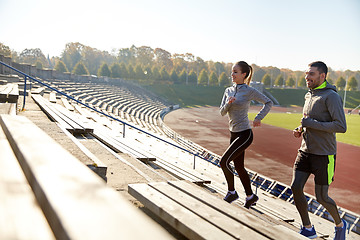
(256, 123)
(297, 132)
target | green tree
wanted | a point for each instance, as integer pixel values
(80, 69)
(219, 68)
(192, 78)
(352, 83)
(199, 65)
(329, 80)
(340, 83)
(123, 70)
(259, 73)
(163, 58)
(224, 80)
(33, 55)
(115, 70)
(174, 77)
(290, 82)
(131, 72)
(266, 80)
(155, 73)
(301, 81)
(213, 79)
(60, 67)
(104, 70)
(164, 75)
(139, 72)
(72, 54)
(179, 62)
(144, 55)
(126, 55)
(203, 78)
(279, 81)
(5, 50)
(183, 76)
(94, 58)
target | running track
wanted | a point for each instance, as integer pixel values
(272, 153)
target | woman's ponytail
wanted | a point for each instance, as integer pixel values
(249, 77)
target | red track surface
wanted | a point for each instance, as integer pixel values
(272, 153)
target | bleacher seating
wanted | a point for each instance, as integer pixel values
(133, 107)
(122, 102)
(269, 186)
(71, 202)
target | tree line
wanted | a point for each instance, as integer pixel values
(147, 65)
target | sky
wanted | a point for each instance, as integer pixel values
(280, 33)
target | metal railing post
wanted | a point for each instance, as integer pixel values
(194, 160)
(23, 108)
(123, 130)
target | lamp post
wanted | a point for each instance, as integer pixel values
(345, 92)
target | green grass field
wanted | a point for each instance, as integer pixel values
(291, 121)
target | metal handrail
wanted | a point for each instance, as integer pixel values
(111, 117)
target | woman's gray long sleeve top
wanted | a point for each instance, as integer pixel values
(238, 110)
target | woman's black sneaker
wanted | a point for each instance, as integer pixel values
(252, 201)
(231, 197)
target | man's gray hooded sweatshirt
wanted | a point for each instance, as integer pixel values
(323, 117)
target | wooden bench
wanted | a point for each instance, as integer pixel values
(67, 105)
(9, 93)
(39, 90)
(10, 78)
(21, 217)
(96, 165)
(52, 97)
(197, 214)
(59, 114)
(75, 202)
(8, 108)
(118, 146)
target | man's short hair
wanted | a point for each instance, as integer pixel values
(322, 68)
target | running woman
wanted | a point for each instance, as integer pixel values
(236, 103)
(323, 116)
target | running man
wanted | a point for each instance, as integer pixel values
(323, 116)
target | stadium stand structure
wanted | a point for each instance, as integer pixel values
(63, 202)
(135, 106)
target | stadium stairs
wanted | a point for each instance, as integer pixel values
(142, 134)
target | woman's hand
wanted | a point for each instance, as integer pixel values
(256, 123)
(297, 132)
(231, 100)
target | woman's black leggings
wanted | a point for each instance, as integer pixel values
(239, 141)
(321, 192)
